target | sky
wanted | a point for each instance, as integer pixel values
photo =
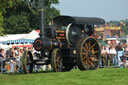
(106, 9)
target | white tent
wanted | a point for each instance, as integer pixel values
(12, 37)
(32, 35)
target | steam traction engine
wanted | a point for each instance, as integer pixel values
(66, 43)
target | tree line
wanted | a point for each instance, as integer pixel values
(16, 17)
(122, 23)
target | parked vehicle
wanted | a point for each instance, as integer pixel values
(67, 42)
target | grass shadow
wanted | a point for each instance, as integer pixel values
(30, 73)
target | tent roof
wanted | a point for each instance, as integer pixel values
(12, 37)
(20, 41)
(32, 35)
(20, 38)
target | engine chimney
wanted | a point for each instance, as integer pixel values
(41, 10)
(41, 23)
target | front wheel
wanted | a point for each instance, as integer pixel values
(56, 60)
(27, 62)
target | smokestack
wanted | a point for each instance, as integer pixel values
(41, 10)
(41, 23)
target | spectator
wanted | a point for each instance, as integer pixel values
(119, 49)
(12, 65)
(24, 49)
(126, 47)
(2, 58)
(2, 54)
(112, 55)
(105, 50)
(104, 55)
(17, 56)
(124, 58)
(21, 60)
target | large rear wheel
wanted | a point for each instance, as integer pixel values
(88, 54)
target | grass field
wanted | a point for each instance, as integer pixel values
(104, 76)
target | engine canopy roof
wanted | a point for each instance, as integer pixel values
(66, 20)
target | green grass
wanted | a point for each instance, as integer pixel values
(104, 76)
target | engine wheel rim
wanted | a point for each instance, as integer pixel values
(27, 62)
(57, 60)
(90, 53)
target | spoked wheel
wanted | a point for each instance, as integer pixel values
(88, 54)
(27, 62)
(56, 60)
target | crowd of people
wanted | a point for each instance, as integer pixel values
(11, 59)
(114, 55)
(111, 55)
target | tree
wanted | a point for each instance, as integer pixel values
(17, 24)
(124, 27)
(16, 19)
(115, 23)
(50, 11)
(1, 24)
(123, 24)
(26, 19)
(3, 5)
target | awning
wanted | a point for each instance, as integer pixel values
(26, 45)
(20, 41)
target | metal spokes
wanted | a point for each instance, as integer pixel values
(89, 53)
(56, 61)
(27, 62)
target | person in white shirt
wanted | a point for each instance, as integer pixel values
(112, 55)
(104, 55)
(105, 50)
(112, 50)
